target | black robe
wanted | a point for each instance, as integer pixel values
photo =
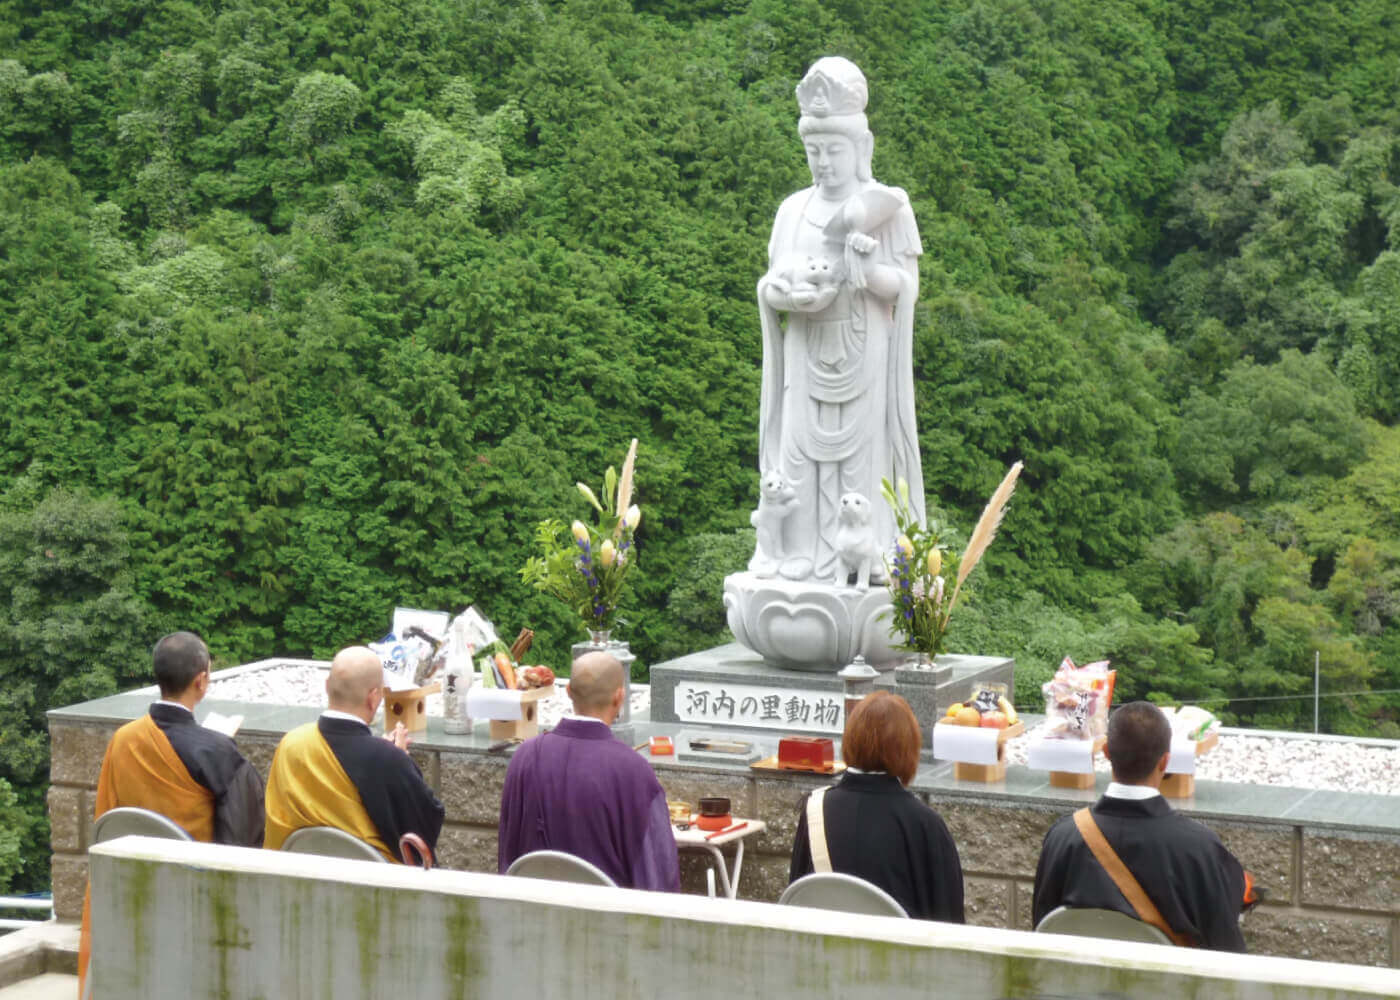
(391, 787)
(1183, 867)
(213, 760)
(876, 829)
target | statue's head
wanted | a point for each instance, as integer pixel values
(832, 99)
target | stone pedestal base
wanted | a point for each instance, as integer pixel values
(741, 673)
(806, 625)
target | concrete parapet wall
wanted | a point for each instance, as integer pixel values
(1336, 891)
(197, 921)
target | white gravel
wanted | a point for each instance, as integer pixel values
(1294, 761)
(306, 685)
(1291, 761)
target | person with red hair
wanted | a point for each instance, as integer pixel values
(871, 826)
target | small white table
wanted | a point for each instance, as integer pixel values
(696, 839)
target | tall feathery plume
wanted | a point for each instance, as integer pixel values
(986, 529)
(624, 487)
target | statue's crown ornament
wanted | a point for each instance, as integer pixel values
(833, 86)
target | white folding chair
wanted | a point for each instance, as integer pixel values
(1090, 922)
(559, 866)
(838, 891)
(331, 842)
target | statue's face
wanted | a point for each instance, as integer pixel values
(832, 158)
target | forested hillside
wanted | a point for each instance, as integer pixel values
(309, 309)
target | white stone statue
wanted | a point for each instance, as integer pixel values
(837, 406)
(836, 412)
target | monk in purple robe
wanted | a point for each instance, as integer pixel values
(579, 789)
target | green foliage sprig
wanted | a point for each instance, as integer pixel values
(917, 587)
(586, 566)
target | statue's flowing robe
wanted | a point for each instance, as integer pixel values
(168, 763)
(579, 789)
(836, 410)
(335, 772)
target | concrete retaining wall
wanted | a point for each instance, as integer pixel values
(1336, 892)
(197, 921)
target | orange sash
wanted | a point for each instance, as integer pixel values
(1131, 889)
(306, 786)
(142, 769)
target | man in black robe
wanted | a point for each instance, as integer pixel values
(1196, 884)
(335, 772)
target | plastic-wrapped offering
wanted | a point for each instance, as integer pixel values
(401, 658)
(1077, 700)
(1191, 722)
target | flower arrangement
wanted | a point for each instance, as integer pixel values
(921, 565)
(586, 565)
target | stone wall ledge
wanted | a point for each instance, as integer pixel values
(1331, 859)
(225, 911)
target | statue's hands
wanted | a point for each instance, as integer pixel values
(861, 243)
(801, 296)
(813, 298)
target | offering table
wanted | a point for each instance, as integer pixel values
(696, 839)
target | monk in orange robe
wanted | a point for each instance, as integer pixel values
(166, 762)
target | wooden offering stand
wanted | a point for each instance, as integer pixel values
(963, 771)
(1183, 786)
(528, 724)
(1077, 779)
(409, 706)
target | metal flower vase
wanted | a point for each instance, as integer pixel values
(602, 640)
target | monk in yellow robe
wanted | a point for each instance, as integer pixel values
(166, 762)
(335, 772)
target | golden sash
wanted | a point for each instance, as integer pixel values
(306, 786)
(142, 769)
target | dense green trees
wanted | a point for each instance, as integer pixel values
(71, 629)
(310, 309)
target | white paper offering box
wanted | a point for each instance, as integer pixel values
(494, 703)
(1183, 757)
(1075, 756)
(965, 744)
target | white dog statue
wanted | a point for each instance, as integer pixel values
(856, 552)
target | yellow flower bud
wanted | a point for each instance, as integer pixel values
(607, 552)
(905, 545)
(935, 562)
(580, 532)
(589, 495)
(633, 517)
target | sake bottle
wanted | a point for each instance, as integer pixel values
(455, 683)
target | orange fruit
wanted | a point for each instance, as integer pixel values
(968, 716)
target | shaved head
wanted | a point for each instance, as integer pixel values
(355, 672)
(594, 683)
